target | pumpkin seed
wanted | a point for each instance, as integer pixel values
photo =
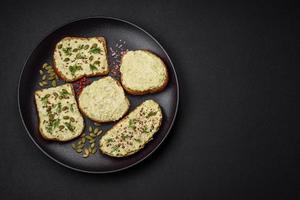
(82, 135)
(41, 72)
(93, 135)
(45, 65)
(88, 137)
(41, 84)
(99, 132)
(96, 130)
(94, 150)
(74, 146)
(78, 150)
(90, 150)
(83, 140)
(90, 129)
(44, 77)
(92, 145)
(45, 82)
(92, 140)
(80, 146)
(53, 83)
(85, 153)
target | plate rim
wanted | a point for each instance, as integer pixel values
(93, 171)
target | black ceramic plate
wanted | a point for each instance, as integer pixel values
(120, 35)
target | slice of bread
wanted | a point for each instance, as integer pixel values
(143, 72)
(59, 116)
(75, 57)
(132, 132)
(104, 100)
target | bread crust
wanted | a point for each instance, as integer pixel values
(58, 72)
(44, 136)
(149, 91)
(146, 142)
(105, 121)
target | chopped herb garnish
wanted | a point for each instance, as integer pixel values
(138, 140)
(109, 140)
(45, 98)
(95, 50)
(124, 137)
(55, 123)
(131, 124)
(70, 126)
(64, 93)
(145, 130)
(151, 113)
(67, 51)
(74, 68)
(114, 148)
(93, 67)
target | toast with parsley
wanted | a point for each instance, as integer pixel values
(59, 116)
(75, 57)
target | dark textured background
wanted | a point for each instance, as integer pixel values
(237, 132)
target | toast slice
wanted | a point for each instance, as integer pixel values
(132, 133)
(104, 100)
(75, 57)
(59, 116)
(143, 72)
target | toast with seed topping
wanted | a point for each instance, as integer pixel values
(133, 132)
(59, 116)
(75, 57)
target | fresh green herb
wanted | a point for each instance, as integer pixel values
(67, 51)
(64, 93)
(114, 148)
(93, 67)
(109, 140)
(138, 140)
(74, 68)
(45, 98)
(145, 130)
(70, 126)
(124, 137)
(131, 124)
(55, 123)
(95, 50)
(59, 46)
(151, 113)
